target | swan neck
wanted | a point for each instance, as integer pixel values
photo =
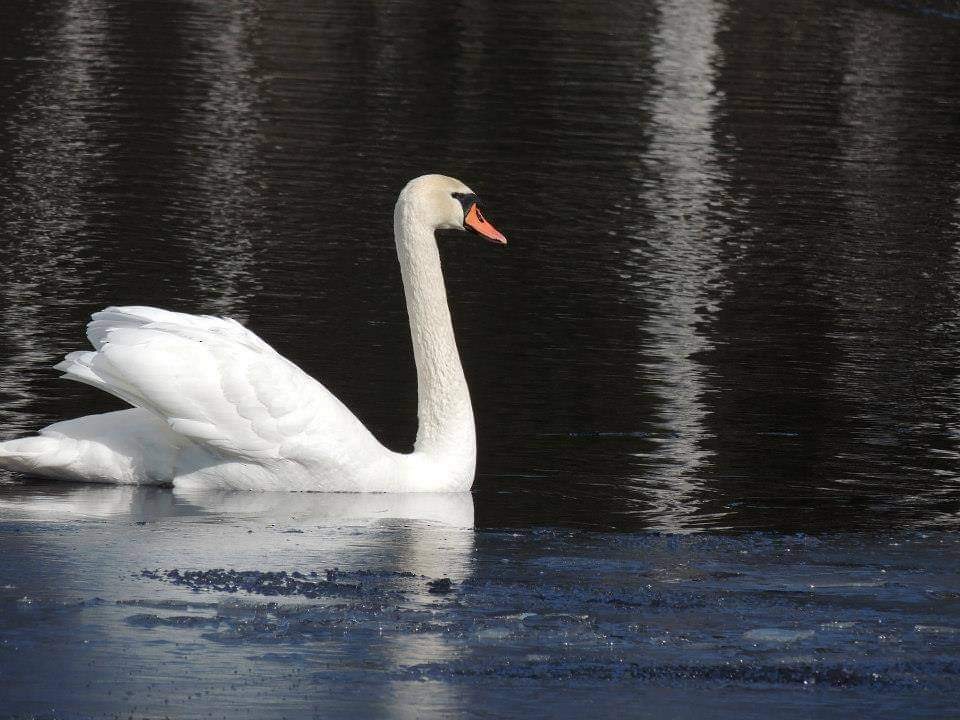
(446, 426)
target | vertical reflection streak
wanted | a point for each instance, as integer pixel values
(45, 203)
(895, 283)
(954, 430)
(407, 697)
(952, 452)
(868, 112)
(679, 267)
(227, 122)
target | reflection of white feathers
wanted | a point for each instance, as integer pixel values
(371, 538)
(337, 509)
(306, 509)
(427, 533)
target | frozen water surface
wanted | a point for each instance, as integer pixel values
(153, 602)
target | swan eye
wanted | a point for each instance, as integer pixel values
(467, 200)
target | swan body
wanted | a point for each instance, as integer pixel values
(214, 406)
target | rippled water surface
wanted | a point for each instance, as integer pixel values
(731, 302)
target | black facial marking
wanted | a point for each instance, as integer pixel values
(466, 200)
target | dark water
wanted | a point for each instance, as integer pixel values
(731, 297)
(731, 302)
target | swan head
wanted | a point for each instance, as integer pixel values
(445, 203)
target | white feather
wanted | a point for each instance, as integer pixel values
(216, 406)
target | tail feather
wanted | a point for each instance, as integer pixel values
(175, 415)
(124, 447)
(50, 456)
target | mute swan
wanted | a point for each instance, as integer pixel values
(214, 406)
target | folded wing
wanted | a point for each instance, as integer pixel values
(218, 384)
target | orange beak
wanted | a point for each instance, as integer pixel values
(479, 224)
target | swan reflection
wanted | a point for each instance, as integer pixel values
(50, 501)
(336, 509)
(387, 546)
(425, 533)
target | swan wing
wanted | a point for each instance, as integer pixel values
(218, 384)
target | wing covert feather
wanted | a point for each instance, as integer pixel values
(216, 383)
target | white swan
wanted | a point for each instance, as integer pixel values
(216, 407)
